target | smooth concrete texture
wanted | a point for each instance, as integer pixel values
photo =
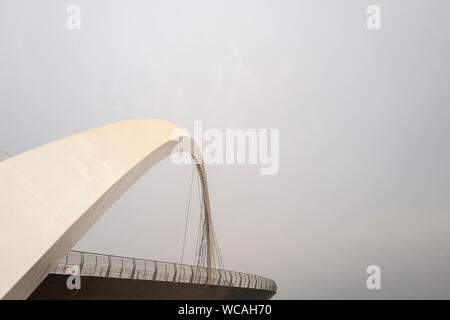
(54, 287)
(50, 196)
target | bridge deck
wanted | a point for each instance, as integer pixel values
(113, 277)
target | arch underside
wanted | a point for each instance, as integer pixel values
(50, 196)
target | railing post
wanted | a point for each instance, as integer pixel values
(215, 275)
(134, 269)
(121, 268)
(82, 262)
(67, 259)
(156, 270)
(108, 270)
(165, 272)
(96, 261)
(182, 276)
(240, 279)
(175, 273)
(192, 275)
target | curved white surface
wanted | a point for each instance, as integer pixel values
(50, 196)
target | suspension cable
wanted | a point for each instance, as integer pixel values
(216, 243)
(199, 221)
(187, 214)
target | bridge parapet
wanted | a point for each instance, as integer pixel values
(110, 266)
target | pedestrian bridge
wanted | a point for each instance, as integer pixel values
(51, 196)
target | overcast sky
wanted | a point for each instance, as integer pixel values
(363, 116)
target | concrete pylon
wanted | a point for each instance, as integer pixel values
(50, 196)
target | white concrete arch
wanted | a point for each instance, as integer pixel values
(50, 196)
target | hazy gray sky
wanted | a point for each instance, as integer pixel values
(363, 116)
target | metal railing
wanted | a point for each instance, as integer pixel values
(102, 265)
